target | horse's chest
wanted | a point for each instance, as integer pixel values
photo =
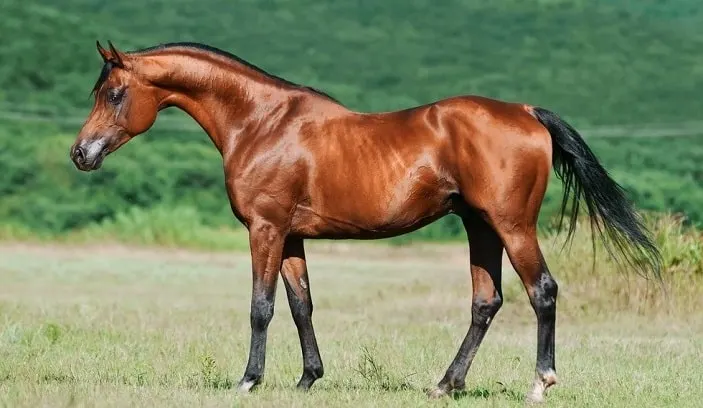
(261, 193)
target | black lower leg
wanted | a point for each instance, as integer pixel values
(543, 298)
(301, 310)
(482, 313)
(262, 305)
(544, 302)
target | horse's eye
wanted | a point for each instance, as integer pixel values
(114, 96)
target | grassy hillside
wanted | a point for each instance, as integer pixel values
(598, 63)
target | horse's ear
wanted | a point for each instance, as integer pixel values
(116, 55)
(103, 52)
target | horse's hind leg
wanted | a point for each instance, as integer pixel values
(486, 250)
(524, 252)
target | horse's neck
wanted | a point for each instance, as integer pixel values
(223, 97)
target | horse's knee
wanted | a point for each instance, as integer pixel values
(261, 313)
(483, 310)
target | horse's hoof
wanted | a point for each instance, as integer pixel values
(436, 393)
(245, 387)
(540, 385)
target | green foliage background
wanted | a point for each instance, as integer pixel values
(620, 63)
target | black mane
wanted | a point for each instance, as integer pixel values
(203, 47)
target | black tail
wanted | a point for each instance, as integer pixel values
(611, 214)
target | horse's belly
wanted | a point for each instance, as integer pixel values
(359, 214)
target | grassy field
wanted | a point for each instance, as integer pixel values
(118, 326)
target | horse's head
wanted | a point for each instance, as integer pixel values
(125, 106)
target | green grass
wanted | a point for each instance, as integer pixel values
(161, 226)
(104, 325)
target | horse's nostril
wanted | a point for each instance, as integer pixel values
(78, 154)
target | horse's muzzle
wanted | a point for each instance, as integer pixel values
(88, 156)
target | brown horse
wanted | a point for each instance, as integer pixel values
(298, 164)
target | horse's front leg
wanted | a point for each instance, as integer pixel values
(266, 241)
